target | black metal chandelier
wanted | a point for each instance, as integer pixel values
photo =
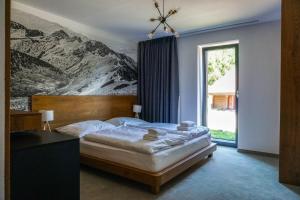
(162, 19)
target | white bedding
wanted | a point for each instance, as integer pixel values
(149, 162)
(131, 138)
(148, 125)
(153, 158)
(172, 128)
(119, 121)
(83, 128)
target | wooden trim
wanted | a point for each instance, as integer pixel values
(258, 153)
(7, 98)
(71, 109)
(289, 159)
(153, 179)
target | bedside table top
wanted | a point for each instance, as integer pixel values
(31, 139)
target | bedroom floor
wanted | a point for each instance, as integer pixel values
(229, 175)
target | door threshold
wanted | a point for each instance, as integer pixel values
(226, 143)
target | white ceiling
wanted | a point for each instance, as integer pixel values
(130, 18)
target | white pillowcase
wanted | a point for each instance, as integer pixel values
(81, 129)
(120, 121)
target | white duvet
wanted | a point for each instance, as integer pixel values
(131, 138)
(172, 129)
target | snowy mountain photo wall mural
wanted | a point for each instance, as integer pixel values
(53, 60)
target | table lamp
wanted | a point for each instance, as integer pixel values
(137, 109)
(47, 116)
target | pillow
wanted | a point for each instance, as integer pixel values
(120, 121)
(81, 129)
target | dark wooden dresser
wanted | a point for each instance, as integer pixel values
(45, 166)
(25, 121)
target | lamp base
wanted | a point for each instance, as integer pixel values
(47, 125)
(137, 115)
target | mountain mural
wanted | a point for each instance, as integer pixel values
(65, 63)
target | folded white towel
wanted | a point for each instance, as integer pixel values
(183, 128)
(187, 124)
(150, 138)
(194, 133)
(154, 134)
(157, 132)
(174, 141)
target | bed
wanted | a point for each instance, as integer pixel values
(150, 169)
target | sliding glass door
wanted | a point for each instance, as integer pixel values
(220, 93)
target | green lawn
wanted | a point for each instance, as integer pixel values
(224, 135)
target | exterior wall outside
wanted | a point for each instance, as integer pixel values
(223, 102)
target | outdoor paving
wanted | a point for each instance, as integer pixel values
(221, 120)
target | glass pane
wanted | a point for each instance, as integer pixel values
(221, 100)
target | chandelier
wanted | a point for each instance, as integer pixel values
(162, 19)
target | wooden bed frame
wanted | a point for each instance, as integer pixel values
(153, 179)
(70, 109)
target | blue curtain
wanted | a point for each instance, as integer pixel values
(158, 81)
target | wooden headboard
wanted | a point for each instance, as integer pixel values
(71, 109)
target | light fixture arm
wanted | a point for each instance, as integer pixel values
(156, 28)
(171, 12)
(168, 15)
(170, 27)
(163, 7)
(161, 15)
(157, 8)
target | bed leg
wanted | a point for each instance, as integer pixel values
(155, 189)
(210, 155)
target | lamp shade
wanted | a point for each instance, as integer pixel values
(137, 108)
(47, 115)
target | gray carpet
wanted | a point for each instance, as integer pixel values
(229, 175)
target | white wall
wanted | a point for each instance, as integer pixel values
(2, 96)
(259, 82)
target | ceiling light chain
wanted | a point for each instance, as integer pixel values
(162, 19)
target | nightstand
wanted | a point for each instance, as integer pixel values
(45, 166)
(25, 121)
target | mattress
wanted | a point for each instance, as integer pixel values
(151, 163)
